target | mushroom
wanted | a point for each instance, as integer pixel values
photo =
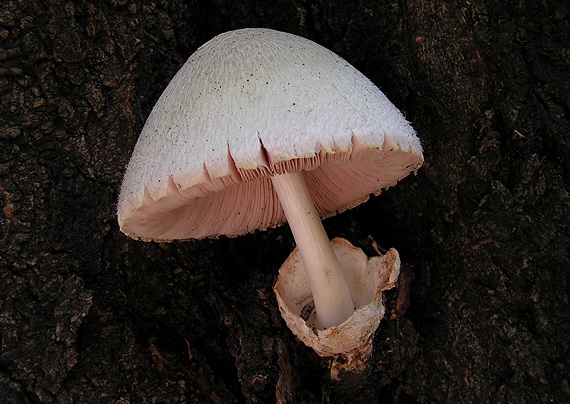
(259, 127)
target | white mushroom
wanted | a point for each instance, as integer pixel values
(259, 127)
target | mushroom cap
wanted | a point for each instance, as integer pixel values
(250, 104)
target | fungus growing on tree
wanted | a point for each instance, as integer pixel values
(257, 128)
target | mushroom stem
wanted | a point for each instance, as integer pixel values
(333, 304)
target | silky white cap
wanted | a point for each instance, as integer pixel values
(253, 103)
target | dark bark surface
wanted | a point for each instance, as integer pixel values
(88, 315)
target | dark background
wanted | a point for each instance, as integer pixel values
(88, 315)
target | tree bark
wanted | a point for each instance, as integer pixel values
(88, 315)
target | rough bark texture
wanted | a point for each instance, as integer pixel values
(88, 315)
